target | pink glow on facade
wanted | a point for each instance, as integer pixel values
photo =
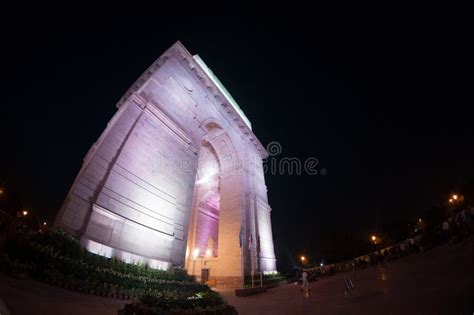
(167, 176)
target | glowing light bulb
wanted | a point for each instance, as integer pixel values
(196, 253)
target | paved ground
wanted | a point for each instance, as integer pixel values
(32, 297)
(440, 281)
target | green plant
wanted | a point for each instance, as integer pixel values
(208, 302)
(55, 257)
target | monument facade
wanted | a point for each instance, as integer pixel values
(176, 178)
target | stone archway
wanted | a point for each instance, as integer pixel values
(219, 174)
(137, 195)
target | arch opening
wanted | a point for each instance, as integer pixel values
(207, 204)
(211, 245)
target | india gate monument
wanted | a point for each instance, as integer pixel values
(176, 178)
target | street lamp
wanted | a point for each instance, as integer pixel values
(455, 197)
(304, 260)
(374, 241)
(196, 253)
(25, 213)
(44, 223)
(454, 200)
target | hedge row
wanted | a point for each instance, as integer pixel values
(55, 257)
(68, 246)
(271, 280)
(209, 303)
(48, 263)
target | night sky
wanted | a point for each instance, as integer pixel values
(381, 100)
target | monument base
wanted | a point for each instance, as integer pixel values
(223, 282)
(110, 252)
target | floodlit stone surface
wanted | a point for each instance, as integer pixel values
(177, 171)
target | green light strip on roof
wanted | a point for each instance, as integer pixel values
(223, 90)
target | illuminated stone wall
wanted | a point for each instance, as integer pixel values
(177, 156)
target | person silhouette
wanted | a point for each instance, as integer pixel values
(305, 283)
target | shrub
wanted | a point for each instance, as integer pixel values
(65, 245)
(270, 280)
(171, 303)
(57, 258)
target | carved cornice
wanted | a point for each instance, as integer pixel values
(187, 60)
(140, 82)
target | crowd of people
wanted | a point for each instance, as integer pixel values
(453, 229)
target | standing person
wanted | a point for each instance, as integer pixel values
(304, 278)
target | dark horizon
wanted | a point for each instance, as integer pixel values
(382, 102)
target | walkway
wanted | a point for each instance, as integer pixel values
(440, 281)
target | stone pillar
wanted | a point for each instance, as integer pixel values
(230, 268)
